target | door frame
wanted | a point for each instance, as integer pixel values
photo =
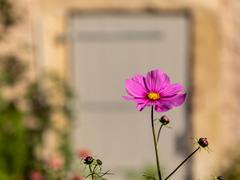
(186, 13)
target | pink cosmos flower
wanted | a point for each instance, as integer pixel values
(35, 175)
(55, 162)
(83, 153)
(77, 178)
(154, 89)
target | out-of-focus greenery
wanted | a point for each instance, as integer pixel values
(11, 69)
(146, 173)
(13, 154)
(79, 170)
(7, 16)
(27, 107)
(25, 116)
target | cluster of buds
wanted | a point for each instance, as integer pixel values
(90, 160)
(95, 167)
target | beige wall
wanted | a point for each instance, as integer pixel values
(215, 104)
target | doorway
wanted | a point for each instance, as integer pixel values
(106, 49)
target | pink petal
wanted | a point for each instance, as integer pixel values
(162, 108)
(135, 88)
(141, 106)
(156, 80)
(137, 100)
(176, 100)
(128, 98)
(172, 89)
(140, 79)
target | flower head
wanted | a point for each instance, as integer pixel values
(154, 89)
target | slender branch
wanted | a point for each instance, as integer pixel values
(92, 175)
(155, 146)
(182, 163)
(159, 131)
(94, 168)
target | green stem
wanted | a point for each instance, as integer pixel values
(92, 175)
(155, 146)
(159, 131)
(182, 163)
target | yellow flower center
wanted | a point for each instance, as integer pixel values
(153, 96)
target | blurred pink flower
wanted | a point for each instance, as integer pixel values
(55, 162)
(35, 175)
(77, 178)
(154, 89)
(83, 153)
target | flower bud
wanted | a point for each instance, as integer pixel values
(220, 178)
(99, 162)
(88, 160)
(164, 120)
(203, 142)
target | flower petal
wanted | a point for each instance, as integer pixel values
(141, 103)
(156, 80)
(162, 108)
(140, 79)
(135, 88)
(137, 100)
(141, 106)
(128, 98)
(171, 90)
(176, 100)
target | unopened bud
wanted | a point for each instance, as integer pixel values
(203, 142)
(88, 160)
(99, 162)
(164, 120)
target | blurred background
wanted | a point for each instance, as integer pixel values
(62, 70)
